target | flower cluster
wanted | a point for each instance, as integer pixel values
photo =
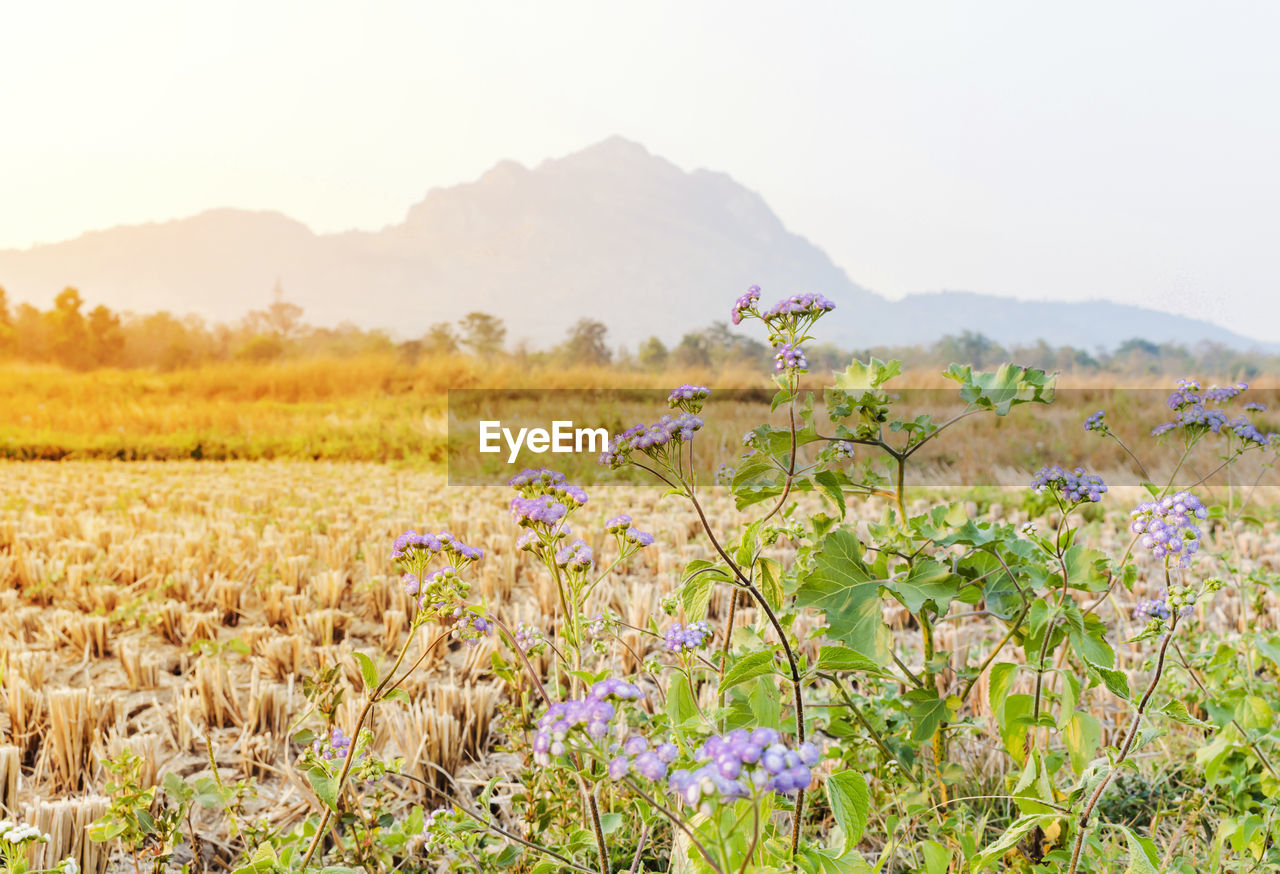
(745, 305)
(736, 764)
(725, 474)
(1167, 527)
(688, 397)
(652, 440)
(470, 627)
(1075, 486)
(591, 714)
(811, 305)
(682, 639)
(635, 755)
(843, 449)
(621, 525)
(1152, 608)
(333, 747)
(790, 357)
(18, 834)
(575, 557)
(529, 639)
(1096, 422)
(1196, 412)
(413, 550)
(438, 593)
(544, 497)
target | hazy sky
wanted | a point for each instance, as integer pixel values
(1070, 150)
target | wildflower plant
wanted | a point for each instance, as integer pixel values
(703, 742)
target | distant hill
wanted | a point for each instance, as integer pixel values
(611, 232)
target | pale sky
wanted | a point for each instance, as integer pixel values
(1129, 151)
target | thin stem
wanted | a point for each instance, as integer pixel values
(635, 860)
(373, 698)
(677, 821)
(1124, 749)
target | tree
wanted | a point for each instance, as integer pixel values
(440, 339)
(106, 340)
(70, 330)
(284, 319)
(692, 351)
(653, 354)
(483, 334)
(7, 337)
(585, 343)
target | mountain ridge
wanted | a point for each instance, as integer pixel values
(611, 232)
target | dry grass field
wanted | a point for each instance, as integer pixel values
(175, 609)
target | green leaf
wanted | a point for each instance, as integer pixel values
(841, 658)
(871, 375)
(325, 787)
(1081, 737)
(928, 580)
(368, 671)
(1143, 857)
(771, 583)
(1017, 830)
(1177, 711)
(749, 666)
(1116, 681)
(850, 804)
(999, 682)
(1086, 569)
(1002, 389)
(841, 586)
(830, 485)
(928, 711)
(681, 707)
(1254, 713)
(937, 858)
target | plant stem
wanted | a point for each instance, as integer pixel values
(1125, 749)
(677, 822)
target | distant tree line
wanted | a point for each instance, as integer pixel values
(76, 337)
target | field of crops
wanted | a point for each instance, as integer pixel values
(176, 610)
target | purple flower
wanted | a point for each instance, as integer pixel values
(589, 715)
(680, 639)
(790, 357)
(652, 440)
(800, 305)
(618, 524)
(1167, 527)
(1096, 422)
(688, 397)
(577, 556)
(734, 765)
(745, 305)
(1076, 486)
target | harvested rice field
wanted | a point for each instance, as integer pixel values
(199, 615)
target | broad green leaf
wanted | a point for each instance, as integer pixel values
(1143, 857)
(1254, 713)
(1003, 388)
(829, 483)
(841, 586)
(749, 666)
(841, 658)
(681, 707)
(999, 682)
(1016, 831)
(368, 671)
(1081, 737)
(771, 583)
(928, 711)
(872, 374)
(928, 580)
(850, 804)
(1177, 711)
(937, 858)
(325, 787)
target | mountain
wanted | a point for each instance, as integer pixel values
(611, 232)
